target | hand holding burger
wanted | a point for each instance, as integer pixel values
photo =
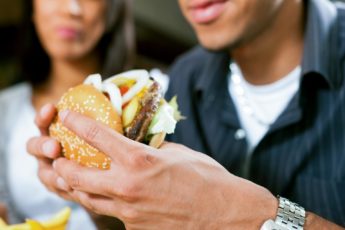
(148, 188)
(130, 103)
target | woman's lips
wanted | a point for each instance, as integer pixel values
(67, 33)
(203, 12)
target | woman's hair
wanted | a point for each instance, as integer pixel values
(116, 46)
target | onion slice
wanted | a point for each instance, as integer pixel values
(114, 95)
(141, 78)
(94, 80)
(111, 89)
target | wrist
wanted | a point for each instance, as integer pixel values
(290, 216)
(239, 204)
(263, 205)
(271, 210)
(268, 210)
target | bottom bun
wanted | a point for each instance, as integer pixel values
(86, 100)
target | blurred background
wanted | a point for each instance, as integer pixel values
(160, 29)
(162, 35)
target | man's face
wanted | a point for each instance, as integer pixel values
(223, 24)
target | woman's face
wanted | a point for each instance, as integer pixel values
(69, 29)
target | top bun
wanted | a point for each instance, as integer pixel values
(86, 100)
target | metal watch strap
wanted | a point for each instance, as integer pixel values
(290, 215)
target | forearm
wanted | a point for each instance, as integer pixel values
(315, 222)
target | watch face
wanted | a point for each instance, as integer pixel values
(271, 225)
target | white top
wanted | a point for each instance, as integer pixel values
(30, 196)
(258, 106)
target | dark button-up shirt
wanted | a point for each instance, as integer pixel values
(302, 157)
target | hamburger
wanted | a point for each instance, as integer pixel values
(130, 103)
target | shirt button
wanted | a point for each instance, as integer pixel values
(240, 134)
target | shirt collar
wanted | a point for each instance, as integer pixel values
(215, 72)
(319, 54)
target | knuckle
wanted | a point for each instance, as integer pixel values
(35, 146)
(129, 215)
(42, 175)
(140, 159)
(38, 121)
(135, 159)
(65, 195)
(110, 189)
(47, 178)
(86, 201)
(74, 180)
(90, 206)
(92, 132)
(129, 191)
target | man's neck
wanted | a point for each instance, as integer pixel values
(277, 49)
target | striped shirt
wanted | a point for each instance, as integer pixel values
(302, 156)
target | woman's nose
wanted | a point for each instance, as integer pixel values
(74, 7)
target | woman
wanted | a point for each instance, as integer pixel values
(65, 40)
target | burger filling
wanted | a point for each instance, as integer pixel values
(149, 104)
(138, 100)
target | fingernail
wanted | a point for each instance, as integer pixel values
(62, 184)
(45, 110)
(63, 115)
(49, 147)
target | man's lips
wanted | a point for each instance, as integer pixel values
(206, 11)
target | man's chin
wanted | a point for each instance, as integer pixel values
(213, 47)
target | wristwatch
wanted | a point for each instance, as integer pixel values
(290, 216)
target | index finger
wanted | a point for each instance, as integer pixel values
(112, 143)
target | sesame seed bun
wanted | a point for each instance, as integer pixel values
(86, 100)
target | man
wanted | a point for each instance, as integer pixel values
(267, 106)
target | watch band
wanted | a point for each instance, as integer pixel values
(290, 215)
